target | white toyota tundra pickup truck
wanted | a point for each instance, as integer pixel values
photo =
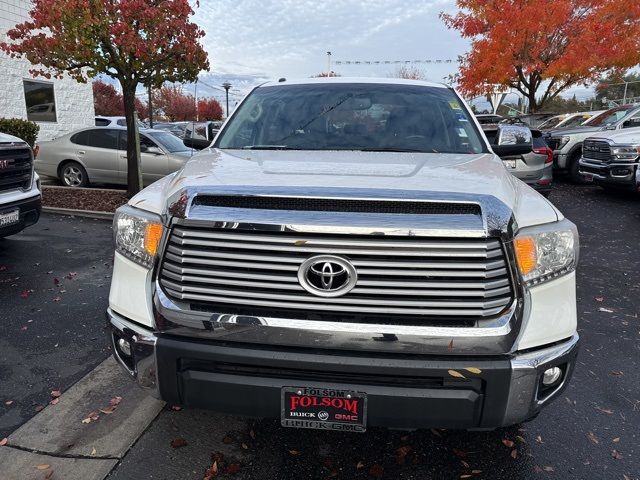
(349, 253)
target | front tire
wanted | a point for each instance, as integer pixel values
(574, 174)
(72, 174)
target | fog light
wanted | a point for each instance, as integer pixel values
(124, 347)
(551, 376)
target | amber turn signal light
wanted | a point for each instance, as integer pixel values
(152, 236)
(526, 254)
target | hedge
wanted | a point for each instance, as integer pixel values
(24, 129)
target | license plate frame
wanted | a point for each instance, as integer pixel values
(512, 164)
(588, 177)
(323, 409)
(9, 218)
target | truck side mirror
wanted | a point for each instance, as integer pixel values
(513, 140)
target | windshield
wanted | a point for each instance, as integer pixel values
(371, 117)
(551, 122)
(170, 142)
(574, 121)
(610, 116)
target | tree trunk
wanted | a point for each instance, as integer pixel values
(533, 103)
(134, 173)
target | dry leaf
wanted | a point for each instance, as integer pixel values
(38, 408)
(599, 299)
(93, 452)
(232, 469)
(616, 440)
(466, 476)
(295, 453)
(508, 443)
(608, 310)
(55, 393)
(476, 472)
(4, 441)
(178, 443)
(548, 469)
(176, 408)
(227, 440)
(593, 438)
(616, 454)
(514, 453)
(359, 465)
(539, 439)
(8, 402)
(376, 471)
(43, 466)
(252, 434)
(604, 410)
(86, 420)
(450, 345)
(107, 410)
(115, 401)
(456, 374)
(300, 243)
(54, 401)
(245, 446)
(475, 370)
(520, 439)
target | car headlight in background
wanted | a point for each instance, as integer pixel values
(563, 142)
(547, 251)
(626, 152)
(137, 234)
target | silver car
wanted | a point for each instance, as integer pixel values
(99, 155)
(534, 168)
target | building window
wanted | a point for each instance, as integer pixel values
(40, 100)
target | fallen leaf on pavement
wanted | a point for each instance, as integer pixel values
(54, 401)
(93, 452)
(616, 440)
(232, 469)
(227, 440)
(212, 471)
(604, 410)
(55, 393)
(8, 402)
(476, 472)
(108, 410)
(43, 466)
(520, 439)
(599, 299)
(593, 438)
(548, 469)
(246, 447)
(376, 471)
(475, 370)
(38, 408)
(508, 443)
(25, 294)
(466, 476)
(617, 373)
(86, 420)
(178, 443)
(176, 408)
(539, 439)
(115, 401)
(56, 299)
(616, 454)
(514, 453)
(295, 453)
(359, 465)
(608, 310)
(252, 434)
(401, 454)
(456, 374)
(4, 441)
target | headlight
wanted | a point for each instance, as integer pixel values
(547, 251)
(563, 142)
(627, 152)
(137, 234)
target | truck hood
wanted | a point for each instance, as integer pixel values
(573, 131)
(5, 138)
(404, 174)
(625, 136)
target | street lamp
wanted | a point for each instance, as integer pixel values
(227, 86)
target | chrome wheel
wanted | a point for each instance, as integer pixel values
(72, 176)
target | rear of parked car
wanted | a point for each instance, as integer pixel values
(20, 197)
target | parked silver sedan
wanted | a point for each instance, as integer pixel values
(99, 155)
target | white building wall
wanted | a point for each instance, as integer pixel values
(74, 101)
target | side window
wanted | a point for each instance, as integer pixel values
(632, 122)
(102, 122)
(144, 141)
(122, 122)
(103, 138)
(40, 101)
(80, 138)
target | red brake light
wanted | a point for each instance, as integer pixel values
(545, 151)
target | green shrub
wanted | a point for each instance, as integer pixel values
(24, 129)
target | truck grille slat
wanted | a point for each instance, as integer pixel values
(598, 150)
(429, 278)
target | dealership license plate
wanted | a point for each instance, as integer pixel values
(9, 218)
(324, 409)
(510, 163)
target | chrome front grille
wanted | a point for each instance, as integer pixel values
(16, 166)
(421, 277)
(596, 150)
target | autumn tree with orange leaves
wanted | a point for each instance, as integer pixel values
(542, 47)
(146, 42)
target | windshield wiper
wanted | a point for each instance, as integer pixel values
(268, 147)
(394, 149)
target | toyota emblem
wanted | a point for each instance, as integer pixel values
(327, 276)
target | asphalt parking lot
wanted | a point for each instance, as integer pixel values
(591, 432)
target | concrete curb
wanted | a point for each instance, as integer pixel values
(79, 213)
(87, 450)
(61, 187)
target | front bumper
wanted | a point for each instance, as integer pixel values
(29, 213)
(404, 391)
(619, 174)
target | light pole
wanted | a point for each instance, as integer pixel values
(227, 86)
(328, 64)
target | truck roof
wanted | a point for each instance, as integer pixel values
(371, 80)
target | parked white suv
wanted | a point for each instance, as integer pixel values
(20, 196)
(349, 253)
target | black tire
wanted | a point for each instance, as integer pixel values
(574, 174)
(72, 174)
